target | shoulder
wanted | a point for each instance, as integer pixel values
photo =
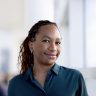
(16, 80)
(66, 69)
(70, 72)
(15, 83)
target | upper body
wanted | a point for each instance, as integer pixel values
(60, 81)
(38, 53)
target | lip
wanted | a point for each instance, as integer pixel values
(50, 56)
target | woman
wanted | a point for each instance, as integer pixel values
(40, 75)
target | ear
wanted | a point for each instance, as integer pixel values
(30, 44)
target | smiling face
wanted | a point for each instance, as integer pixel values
(46, 46)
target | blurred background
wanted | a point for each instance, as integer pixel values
(77, 23)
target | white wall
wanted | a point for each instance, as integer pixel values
(71, 13)
(17, 17)
(90, 26)
(36, 10)
(76, 33)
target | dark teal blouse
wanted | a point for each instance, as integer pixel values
(60, 81)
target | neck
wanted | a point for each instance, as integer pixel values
(40, 72)
(40, 68)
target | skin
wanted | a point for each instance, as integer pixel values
(46, 49)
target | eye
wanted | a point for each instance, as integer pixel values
(45, 41)
(58, 42)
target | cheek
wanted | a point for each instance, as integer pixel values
(59, 50)
(43, 46)
(39, 47)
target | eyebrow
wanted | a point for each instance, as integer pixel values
(50, 38)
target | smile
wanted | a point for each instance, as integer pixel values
(51, 56)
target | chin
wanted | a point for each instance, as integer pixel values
(50, 63)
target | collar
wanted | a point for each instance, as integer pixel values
(28, 73)
(55, 69)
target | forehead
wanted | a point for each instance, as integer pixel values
(50, 31)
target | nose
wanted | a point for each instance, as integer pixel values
(52, 47)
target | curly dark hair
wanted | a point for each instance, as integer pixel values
(26, 58)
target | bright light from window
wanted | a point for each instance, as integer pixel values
(91, 33)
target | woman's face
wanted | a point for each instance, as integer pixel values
(46, 47)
